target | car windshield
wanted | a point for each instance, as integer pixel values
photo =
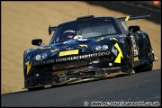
(86, 29)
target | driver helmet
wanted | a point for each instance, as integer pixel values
(70, 34)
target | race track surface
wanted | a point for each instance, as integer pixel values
(26, 20)
(143, 89)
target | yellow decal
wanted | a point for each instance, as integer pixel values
(127, 18)
(70, 52)
(54, 50)
(136, 58)
(120, 55)
(29, 64)
(138, 31)
(100, 39)
(83, 45)
(114, 39)
(26, 51)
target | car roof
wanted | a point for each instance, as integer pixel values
(88, 18)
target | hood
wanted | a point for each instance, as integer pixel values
(74, 46)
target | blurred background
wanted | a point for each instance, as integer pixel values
(23, 21)
(134, 7)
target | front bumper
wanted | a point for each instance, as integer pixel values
(66, 69)
(72, 75)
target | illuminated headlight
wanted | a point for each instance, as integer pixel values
(100, 48)
(104, 47)
(41, 56)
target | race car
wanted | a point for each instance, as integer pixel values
(88, 48)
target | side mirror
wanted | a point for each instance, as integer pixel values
(37, 42)
(134, 28)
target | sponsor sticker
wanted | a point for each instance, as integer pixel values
(74, 57)
(69, 52)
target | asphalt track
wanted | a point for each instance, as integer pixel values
(143, 89)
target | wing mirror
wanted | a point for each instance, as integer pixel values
(134, 28)
(37, 42)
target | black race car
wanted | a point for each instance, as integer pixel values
(88, 48)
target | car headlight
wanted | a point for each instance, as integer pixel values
(104, 47)
(100, 48)
(42, 56)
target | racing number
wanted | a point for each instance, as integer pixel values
(135, 50)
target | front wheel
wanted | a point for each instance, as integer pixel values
(131, 70)
(130, 63)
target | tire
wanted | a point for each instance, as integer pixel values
(35, 88)
(145, 67)
(130, 59)
(131, 70)
(148, 66)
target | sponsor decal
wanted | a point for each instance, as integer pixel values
(127, 18)
(135, 47)
(114, 39)
(100, 39)
(72, 58)
(54, 50)
(120, 55)
(70, 52)
(26, 51)
(29, 65)
(83, 45)
(136, 58)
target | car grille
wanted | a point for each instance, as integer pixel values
(48, 68)
(72, 64)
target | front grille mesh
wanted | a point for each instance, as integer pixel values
(46, 69)
(72, 64)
